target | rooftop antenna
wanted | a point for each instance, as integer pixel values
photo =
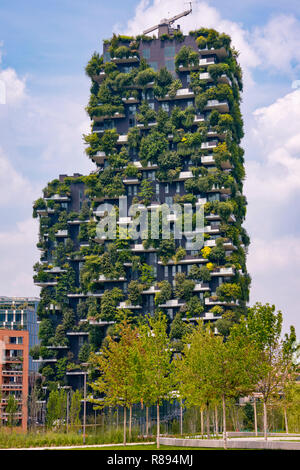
(164, 27)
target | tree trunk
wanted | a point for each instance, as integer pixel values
(130, 420)
(202, 422)
(224, 422)
(181, 419)
(158, 425)
(265, 421)
(124, 429)
(255, 417)
(147, 421)
(207, 422)
(286, 421)
(216, 420)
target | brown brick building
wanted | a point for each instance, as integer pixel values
(14, 375)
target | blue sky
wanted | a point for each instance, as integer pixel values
(44, 47)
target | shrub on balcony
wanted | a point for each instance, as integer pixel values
(166, 250)
(165, 293)
(134, 137)
(109, 301)
(147, 277)
(179, 255)
(229, 291)
(145, 114)
(163, 80)
(183, 118)
(135, 289)
(216, 310)
(199, 273)
(84, 353)
(217, 70)
(39, 204)
(170, 165)
(152, 146)
(145, 76)
(94, 65)
(183, 287)
(193, 308)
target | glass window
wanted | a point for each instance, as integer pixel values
(165, 107)
(106, 57)
(157, 188)
(154, 65)
(169, 51)
(167, 188)
(170, 65)
(146, 53)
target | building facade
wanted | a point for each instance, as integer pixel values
(20, 313)
(166, 129)
(14, 362)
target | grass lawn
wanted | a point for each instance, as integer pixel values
(146, 447)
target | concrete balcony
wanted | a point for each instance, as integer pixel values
(77, 333)
(116, 115)
(99, 158)
(210, 301)
(122, 139)
(182, 93)
(208, 160)
(129, 306)
(102, 278)
(210, 243)
(223, 272)
(77, 222)
(202, 287)
(209, 145)
(139, 248)
(100, 77)
(206, 61)
(199, 118)
(129, 181)
(187, 68)
(132, 59)
(130, 100)
(172, 303)
(41, 360)
(62, 234)
(58, 198)
(221, 52)
(151, 291)
(212, 230)
(45, 283)
(221, 106)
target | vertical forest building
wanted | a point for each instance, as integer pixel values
(166, 128)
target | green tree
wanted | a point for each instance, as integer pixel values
(11, 409)
(116, 364)
(277, 368)
(156, 354)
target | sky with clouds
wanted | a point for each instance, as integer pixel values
(44, 47)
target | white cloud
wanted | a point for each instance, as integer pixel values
(14, 86)
(278, 43)
(14, 188)
(275, 175)
(18, 253)
(150, 13)
(275, 269)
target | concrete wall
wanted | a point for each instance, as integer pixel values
(231, 444)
